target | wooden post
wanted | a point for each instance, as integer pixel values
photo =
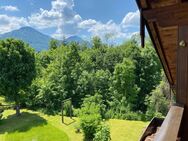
(71, 108)
(62, 112)
(142, 28)
(182, 77)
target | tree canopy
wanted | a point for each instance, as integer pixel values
(17, 68)
(122, 76)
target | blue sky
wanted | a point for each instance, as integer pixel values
(64, 18)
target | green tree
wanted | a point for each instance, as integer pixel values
(124, 91)
(53, 44)
(97, 43)
(17, 69)
(148, 68)
(158, 102)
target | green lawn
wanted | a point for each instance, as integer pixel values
(35, 126)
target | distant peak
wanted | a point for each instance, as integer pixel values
(27, 28)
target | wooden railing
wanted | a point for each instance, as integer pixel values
(169, 129)
(171, 125)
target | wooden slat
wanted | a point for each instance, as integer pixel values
(153, 29)
(155, 37)
(171, 125)
(176, 15)
(151, 128)
(162, 3)
(169, 37)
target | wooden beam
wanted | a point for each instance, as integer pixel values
(142, 29)
(182, 78)
(171, 125)
(169, 15)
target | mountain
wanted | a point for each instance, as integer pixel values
(36, 39)
(74, 39)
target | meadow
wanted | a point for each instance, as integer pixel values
(35, 126)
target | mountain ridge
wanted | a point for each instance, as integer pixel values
(36, 39)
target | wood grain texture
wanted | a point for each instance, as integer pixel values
(168, 16)
(167, 24)
(182, 79)
(171, 125)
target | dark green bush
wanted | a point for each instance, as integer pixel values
(90, 117)
(103, 133)
(89, 125)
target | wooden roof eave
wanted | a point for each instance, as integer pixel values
(155, 37)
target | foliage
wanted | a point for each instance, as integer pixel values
(97, 43)
(122, 76)
(1, 113)
(17, 68)
(90, 117)
(103, 133)
(53, 44)
(67, 107)
(159, 101)
(148, 69)
(123, 89)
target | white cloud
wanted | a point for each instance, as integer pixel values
(100, 29)
(87, 23)
(122, 31)
(9, 8)
(131, 19)
(9, 23)
(67, 22)
(44, 19)
(61, 16)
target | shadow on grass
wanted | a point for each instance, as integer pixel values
(70, 122)
(21, 123)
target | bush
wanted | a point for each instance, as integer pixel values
(103, 133)
(134, 116)
(150, 115)
(128, 115)
(76, 112)
(89, 125)
(90, 117)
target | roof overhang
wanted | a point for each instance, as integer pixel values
(162, 19)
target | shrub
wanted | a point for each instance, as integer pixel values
(90, 117)
(103, 133)
(89, 125)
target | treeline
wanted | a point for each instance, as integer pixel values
(123, 77)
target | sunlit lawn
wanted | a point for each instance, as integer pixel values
(34, 126)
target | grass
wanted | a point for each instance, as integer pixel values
(124, 130)
(35, 126)
(29, 127)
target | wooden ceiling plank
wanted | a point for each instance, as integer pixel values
(157, 43)
(145, 4)
(176, 14)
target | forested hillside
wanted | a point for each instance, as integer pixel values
(103, 82)
(122, 76)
